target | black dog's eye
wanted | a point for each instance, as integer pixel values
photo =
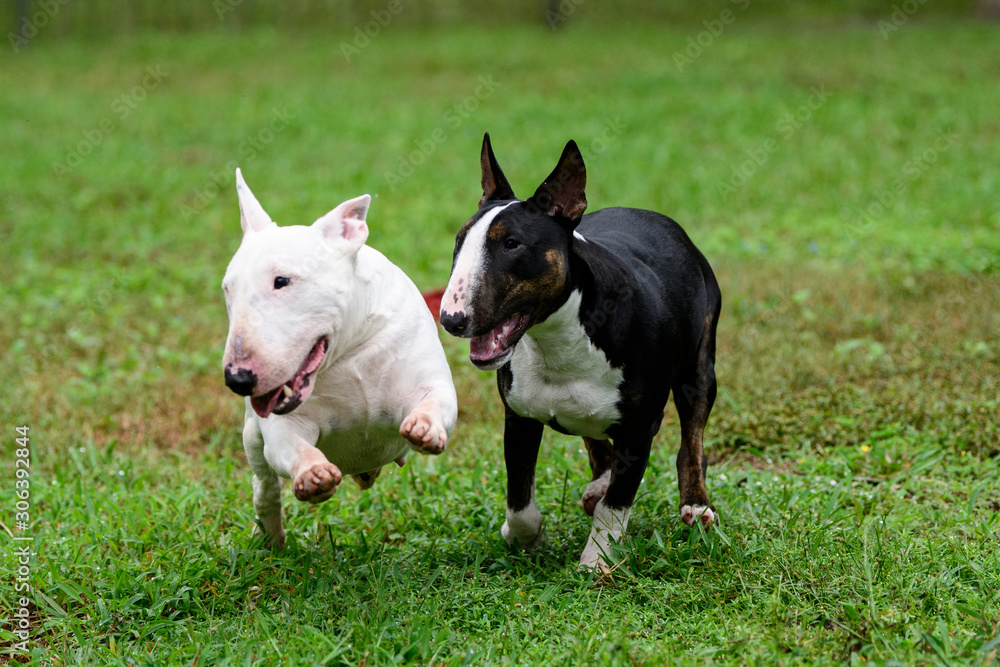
(511, 244)
(281, 281)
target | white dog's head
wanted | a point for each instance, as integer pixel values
(287, 291)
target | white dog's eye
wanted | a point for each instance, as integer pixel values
(281, 281)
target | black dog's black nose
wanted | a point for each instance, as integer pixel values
(454, 323)
(242, 381)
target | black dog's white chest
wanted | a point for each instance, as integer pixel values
(560, 375)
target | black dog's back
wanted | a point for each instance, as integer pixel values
(651, 270)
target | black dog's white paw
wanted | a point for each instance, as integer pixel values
(523, 528)
(691, 513)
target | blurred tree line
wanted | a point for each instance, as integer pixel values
(26, 18)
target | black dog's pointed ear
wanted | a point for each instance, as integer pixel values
(562, 193)
(495, 185)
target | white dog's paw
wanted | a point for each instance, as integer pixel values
(690, 513)
(523, 528)
(317, 483)
(424, 432)
(594, 492)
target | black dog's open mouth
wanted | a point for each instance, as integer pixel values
(293, 393)
(493, 349)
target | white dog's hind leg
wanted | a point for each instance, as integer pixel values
(267, 505)
(266, 487)
(366, 480)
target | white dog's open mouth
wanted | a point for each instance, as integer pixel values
(293, 393)
(492, 350)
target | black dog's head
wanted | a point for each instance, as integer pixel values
(511, 264)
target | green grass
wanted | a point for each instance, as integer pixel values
(854, 445)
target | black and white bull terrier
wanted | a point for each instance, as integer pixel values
(336, 352)
(590, 321)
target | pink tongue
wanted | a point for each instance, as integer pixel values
(487, 346)
(483, 347)
(264, 404)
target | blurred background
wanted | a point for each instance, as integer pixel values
(105, 17)
(836, 162)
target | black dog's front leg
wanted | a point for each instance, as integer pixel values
(611, 514)
(521, 438)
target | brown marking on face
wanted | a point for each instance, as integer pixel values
(556, 260)
(551, 282)
(497, 231)
(467, 226)
(541, 292)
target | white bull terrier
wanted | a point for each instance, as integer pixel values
(336, 352)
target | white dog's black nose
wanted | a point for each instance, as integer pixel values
(455, 323)
(242, 381)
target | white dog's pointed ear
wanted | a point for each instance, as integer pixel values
(253, 217)
(347, 221)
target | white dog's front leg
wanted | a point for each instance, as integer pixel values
(290, 450)
(427, 425)
(266, 486)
